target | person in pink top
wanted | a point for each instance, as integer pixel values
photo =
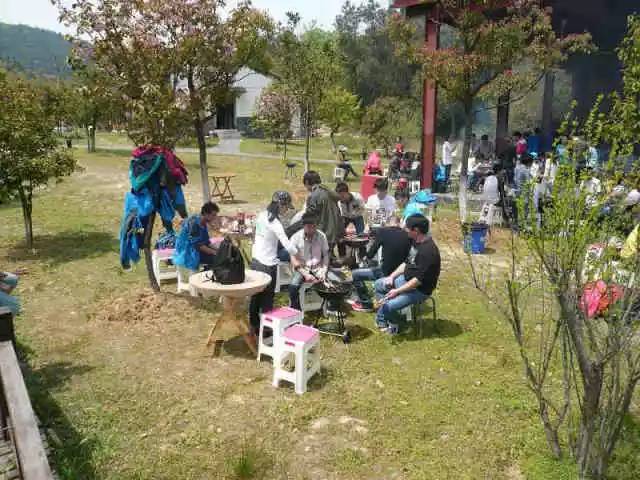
(521, 144)
(374, 164)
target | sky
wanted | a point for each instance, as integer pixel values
(40, 13)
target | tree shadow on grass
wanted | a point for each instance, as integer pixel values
(71, 452)
(66, 246)
(443, 328)
(626, 461)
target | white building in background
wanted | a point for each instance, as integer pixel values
(237, 115)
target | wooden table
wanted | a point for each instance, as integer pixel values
(222, 180)
(232, 296)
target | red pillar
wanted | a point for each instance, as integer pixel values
(429, 103)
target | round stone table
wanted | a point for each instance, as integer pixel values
(231, 295)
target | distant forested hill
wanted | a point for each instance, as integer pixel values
(42, 52)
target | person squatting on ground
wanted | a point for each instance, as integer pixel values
(264, 253)
(311, 262)
(344, 163)
(413, 281)
(193, 247)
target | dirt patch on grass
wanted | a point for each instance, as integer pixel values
(144, 306)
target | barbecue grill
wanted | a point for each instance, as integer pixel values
(333, 294)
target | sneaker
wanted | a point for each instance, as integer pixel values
(351, 301)
(393, 329)
(358, 307)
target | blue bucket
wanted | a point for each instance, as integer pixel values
(475, 237)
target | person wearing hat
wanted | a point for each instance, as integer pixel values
(343, 162)
(413, 281)
(264, 253)
(311, 262)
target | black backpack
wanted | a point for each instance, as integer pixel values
(228, 267)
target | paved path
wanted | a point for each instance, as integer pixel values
(217, 151)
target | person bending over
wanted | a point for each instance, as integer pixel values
(193, 247)
(311, 262)
(264, 253)
(413, 281)
(395, 245)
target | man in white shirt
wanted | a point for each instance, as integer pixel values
(491, 191)
(448, 150)
(382, 205)
(311, 262)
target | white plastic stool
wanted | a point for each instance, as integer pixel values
(491, 215)
(284, 274)
(162, 269)
(414, 187)
(338, 174)
(278, 321)
(183, 281)
(309, 299)
(302, 343)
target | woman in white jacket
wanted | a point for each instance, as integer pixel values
(264, 253)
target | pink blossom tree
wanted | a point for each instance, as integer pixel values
(170, 62)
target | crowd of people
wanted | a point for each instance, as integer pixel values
(404, 262)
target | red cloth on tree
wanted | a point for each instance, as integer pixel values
(175, 166)
(598, 296)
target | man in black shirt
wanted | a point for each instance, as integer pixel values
(395, 245)
(413, 281)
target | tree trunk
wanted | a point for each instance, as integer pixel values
(202, 150)
(587, 461)
(464, 161)
(307, 162)
(284, 141)
(334, 147)
(93, 140)
(26, 200)
(550, 432)
(148, 232)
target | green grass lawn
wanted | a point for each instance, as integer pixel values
(113, 139)
(320, 147)
(131, 398)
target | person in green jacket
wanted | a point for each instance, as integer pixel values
(323, 203)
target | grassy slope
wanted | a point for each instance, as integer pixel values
(144, 401)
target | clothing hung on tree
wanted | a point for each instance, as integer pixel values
(156, 177)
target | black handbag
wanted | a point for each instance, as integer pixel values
(229, 264)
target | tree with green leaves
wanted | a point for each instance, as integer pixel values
(491, 41)
(275, 110)
(338, 109)
(170, 64)
(389, 118)
(309, 65)
(571, 297)
(30, 154)
(371, 68)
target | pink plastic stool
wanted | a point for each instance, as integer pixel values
(299, 343)
(277, 320)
